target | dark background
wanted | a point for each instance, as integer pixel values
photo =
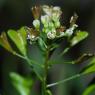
(17, 13)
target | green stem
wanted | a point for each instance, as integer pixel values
(29, 62)
(63, 81)
(44, 83)
(26, 58)
(23, 57)
(65, 51)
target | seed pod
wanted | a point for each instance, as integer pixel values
(36, 10)
(32, 34)
(61, 29)
(73, 19)
(36, 24)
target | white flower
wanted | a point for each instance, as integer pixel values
(51, 34)
(51, 25)
(69, 31)
(56, 8)
(32, 37)
(55, 16)
(62, 34)
(47, 9)
(74, 26)
(36, 23)
(45, 20)
(51, 11)
(56, 13)
(57, 24)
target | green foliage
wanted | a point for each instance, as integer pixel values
(19, 38)
(4, 42)
(23, 34)
(90, 68)
(47, 34)
(80, 35)
(22, 85)
(89, 90)
(42, 44)
(49, 92)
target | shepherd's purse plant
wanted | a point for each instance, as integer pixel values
(47, 33)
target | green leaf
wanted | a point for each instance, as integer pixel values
(54, 46)
(90, 68)
(19, 38)
(89, 90)
(80, 35)
(22, 85)
(42, 44)
(49, 92)
(4, 42)
(23, 33)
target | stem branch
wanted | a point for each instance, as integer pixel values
(44, 83)
(65, 51)
(63, 81)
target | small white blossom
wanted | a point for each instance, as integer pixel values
(57, 24)
(56, 13)
(36, 23)
(32, 37)
(28, 37)
(74, 26)
(62, 34)
(45, 20)
(69, 31)
(53, 12)
(51, 34)
(51, 25)
(47, 10)
(71, 19)
(56, 8)
(55, 16)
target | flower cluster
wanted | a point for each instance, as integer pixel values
(47, 21)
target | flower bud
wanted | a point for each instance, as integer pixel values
(51, 25)
(61, 34)
(36, 24)
(51, 34)
(57, 24)
(69, 32)
(36, 10)
(56, 13)
(56, 8)
(74, 26)
(47, 10)
(45, 20)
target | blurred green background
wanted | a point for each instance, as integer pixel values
(17, 13)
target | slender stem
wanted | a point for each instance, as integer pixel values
(63, 81)
(29, 62)
(44, 83)
(26, 58)
(32, 61)
(23, 57)
(65, 51)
